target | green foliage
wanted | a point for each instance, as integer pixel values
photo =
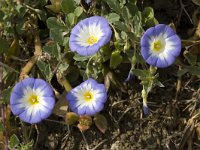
(115, 59)
(68, 6)
(45, 69)
(54, 23)
(6, 95)
(1, 127)
(19, 22)
(4, 45)
(54, 50)
(101, 122)
(13, 142)
(71, 118)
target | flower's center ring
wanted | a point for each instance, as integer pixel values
(157, 46)
(92, 40)
(88, 96)
(33, 99)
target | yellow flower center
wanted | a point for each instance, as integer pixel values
(33, 99)
(88, 96)
(157, 46)
(92, 40)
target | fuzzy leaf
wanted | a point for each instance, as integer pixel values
(148, 13)
(121, 26)
(192, 59)
(71, 118)
(4, 45)
(14, 48)
(1, 127)
(68, 6)
(6, 94)
(115, 59)
(61, 106)
(63, 67)
(194, 70)
(114, 4)
(113, 17)
(13, 142)
(45, 69)
(54, 23)
(140, 73)
(126, 14)
(70, 19)
(101, 122)
(57, 35)
(53, 49)
(78, 11)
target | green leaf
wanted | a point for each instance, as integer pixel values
(151, 22)
(70, 19)
(78, 11)
(133, 2)
(71, 118)
(68, 6)
(4, 45)
(148, 13)
(53, 50)
(78, 57)
(6, 94)
(14, 48)
(137, 24)
(122, 1)
(181, 72)
(194, 70)
(77, 1)
(63, 67)
(158, 83)
(192, 59)
(140, 73)
(114, 4)
(13, 142)
(1, 127)
(115, 59)
(1, 16)
(121, 26)
(54, 23)
(132, 8)
(126, 14)
(45, 69)
(57, 35)
(105, 53)
(113, 17)
(55, 6)
(101, 122)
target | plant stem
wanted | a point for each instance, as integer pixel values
(38, 52)
(63, 82)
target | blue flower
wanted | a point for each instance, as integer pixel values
(88, 98)
(32, 100)
(160, 46)
(146, 109)
(89, 35)
(88, 1)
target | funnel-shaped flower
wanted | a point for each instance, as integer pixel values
(32, 100)
(160, 46)
(89, 35)
(88, 98)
